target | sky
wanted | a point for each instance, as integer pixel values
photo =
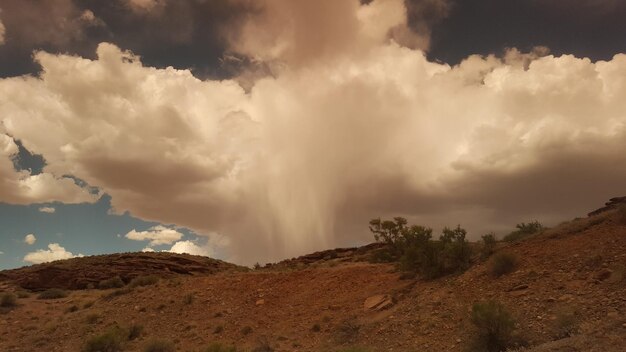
(254, 131)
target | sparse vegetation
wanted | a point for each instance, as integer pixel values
(146, 280)
(524, 230)
(417, 252)
(566, 323)
(188, 299)
(118, 292)
(494, 327)
(53, 293)
(134, 331)
(8, 300)
(72, 309)
(160, 346)
(347, 332)
(112, 340)
(114, 282)
(218, 347)
(503, 263)
(488, 245)
(92, 318)
(22, 294)
(263, 346)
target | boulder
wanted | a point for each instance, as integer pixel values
(378, 302)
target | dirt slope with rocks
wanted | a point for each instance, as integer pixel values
(333, 300)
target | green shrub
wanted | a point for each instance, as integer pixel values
(503, 263)
(494, 327)
(143, 281)
(160, 346)
(416, 251)
(114, 282)
(8, 300)
(218, 347)
(52, 293)
(112, 340)
(524, 230)
(488, 245)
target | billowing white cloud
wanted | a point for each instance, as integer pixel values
(349, 129)
(54, 252)
(30, 239)
(20, 187)
(157, 235)
(147, 249)
(49, 210)
(190, 247)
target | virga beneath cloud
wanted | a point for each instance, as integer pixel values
(338, 134)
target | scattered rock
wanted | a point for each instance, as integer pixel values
(378, 302)
(260, 302)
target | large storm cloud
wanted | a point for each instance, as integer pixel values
(346, 128)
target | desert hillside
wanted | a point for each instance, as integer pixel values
(566, 292)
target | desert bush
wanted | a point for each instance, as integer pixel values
(218, 329)
(523, 230)
(143, 281)
(92, 318)
(621, 214)
(488, 245)
(246, 330)
(112, 340)
(188, 298)
(118, 292)
(160, 346)
(502, 263)
(8, 300)
(88, 304)
(218, 347)
(316, 328)
(114, 282)
(347, 332)
(494, 327)
(52, 293)
(72, 309)
(22, 294)
(566, 323)
(263, 346)
(134, 331)
(416, 251)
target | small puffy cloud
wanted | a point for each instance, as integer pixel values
(49, 210)
(54, 252)
(157, 235)
(147, 250)
(30, 239)
(190, 247)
